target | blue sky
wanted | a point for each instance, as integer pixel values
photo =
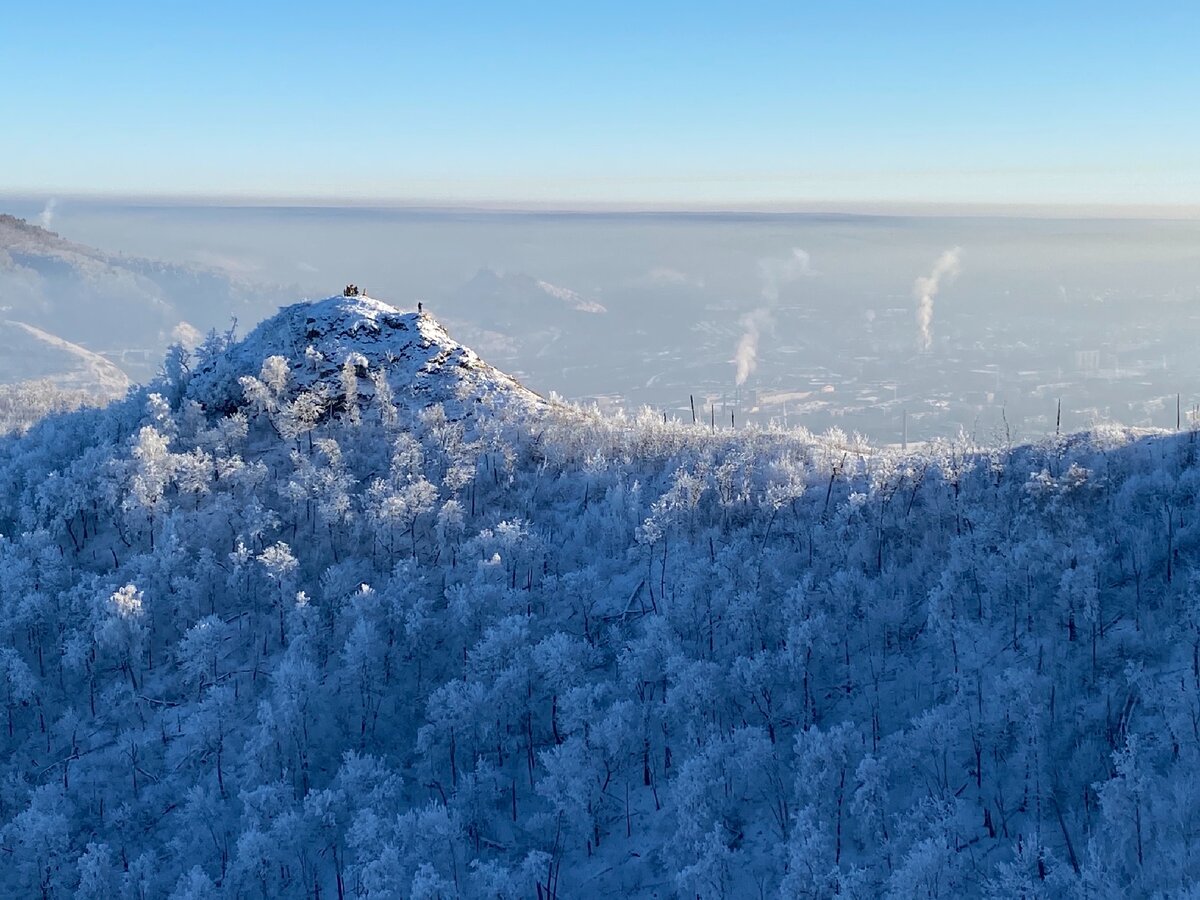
(665, 103)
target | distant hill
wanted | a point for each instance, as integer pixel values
(125, 308)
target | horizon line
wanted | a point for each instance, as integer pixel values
(781, 208)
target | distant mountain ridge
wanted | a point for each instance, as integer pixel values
(111, 303)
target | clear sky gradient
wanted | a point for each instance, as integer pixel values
(638, 103)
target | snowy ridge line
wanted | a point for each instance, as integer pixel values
(27, 240)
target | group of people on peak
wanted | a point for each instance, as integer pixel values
(353, 290)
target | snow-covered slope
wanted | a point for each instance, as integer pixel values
(28, 353)
(110, 302)
(422, 363)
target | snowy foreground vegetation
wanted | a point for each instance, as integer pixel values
(341, 611)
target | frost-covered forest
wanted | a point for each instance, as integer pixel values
(340, 611)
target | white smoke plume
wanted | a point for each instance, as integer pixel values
(745, 357)
(926, 288)
(46, 219)
(773, 273)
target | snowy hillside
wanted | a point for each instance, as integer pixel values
(342, 611)
(28, 353)
(41, 373)
(419, 360)
(125, 307)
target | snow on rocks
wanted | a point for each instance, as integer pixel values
(422, 363)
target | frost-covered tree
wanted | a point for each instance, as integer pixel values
(280, 626)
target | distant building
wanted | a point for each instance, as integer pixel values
(1087, 360)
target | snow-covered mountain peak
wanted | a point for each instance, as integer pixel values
(339, 318)
(317, 339)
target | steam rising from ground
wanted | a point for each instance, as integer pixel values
(773, 273)
(46, 219)
(926, 288)
(745, 357)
